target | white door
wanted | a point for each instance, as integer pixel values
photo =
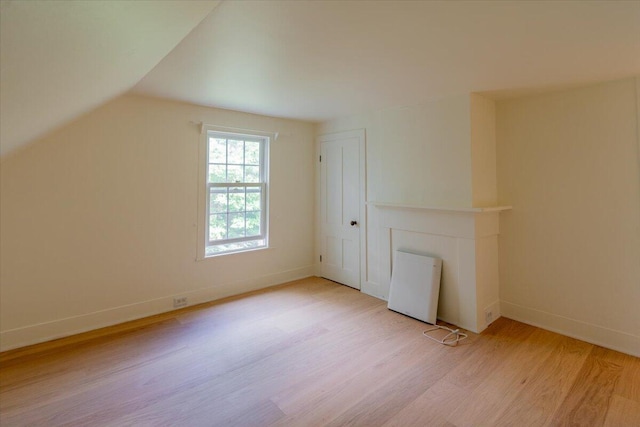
(340, 224)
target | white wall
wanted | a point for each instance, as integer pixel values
(483, 151)
(98, 220)
(419, 154)
(415, 155)
(437, 154)
(569, 163)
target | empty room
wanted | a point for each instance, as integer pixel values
(310, 213)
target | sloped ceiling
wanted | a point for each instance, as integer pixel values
(311, 60)
(60, 59)
(317, 60)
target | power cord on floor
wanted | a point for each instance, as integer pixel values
(451, 339)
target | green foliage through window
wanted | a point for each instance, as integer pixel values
(236, 192)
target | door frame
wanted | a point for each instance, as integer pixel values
(359, 134)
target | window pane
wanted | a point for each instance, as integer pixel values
(236, 152)
(252, 174)
(236, 199)
(236, 225)
(217, 150)
(217, 173)
(234, 174)
(252, 153)
(253, 223)
(218, 200)
(217, 226)
(253, 199)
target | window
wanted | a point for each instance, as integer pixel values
(236, 192)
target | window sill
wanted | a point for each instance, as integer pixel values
(238, 252)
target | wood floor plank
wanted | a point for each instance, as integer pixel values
(497, 392)
(138, 385)
(440, 402)
(195, 407)
(623, 413)
(588, 400)
(546, 386)
(629, 385)
(304, 393)
(313, 353)
(431, 408)
(351, 390)
(401, 388)
(278, 371)
(501, 338)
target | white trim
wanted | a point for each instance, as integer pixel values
(440, 208)
(34, 334)
(459, 239)
(637, 81)
(203, 210)
(360, 134)
(202, 227)
(263, 204)
(234, 130)
(373, 289)
(594, 334)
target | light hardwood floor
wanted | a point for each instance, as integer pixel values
(313, 353)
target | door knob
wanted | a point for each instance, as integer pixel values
(354, 223)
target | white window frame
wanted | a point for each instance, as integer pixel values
(205, 187)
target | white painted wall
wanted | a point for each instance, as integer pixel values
(437, 154)
(569, 163)
(415, 155)
(98, 220)
(483, 151)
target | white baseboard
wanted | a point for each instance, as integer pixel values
(373, 289)
(494, 309)
(594, 334)
(34, 334)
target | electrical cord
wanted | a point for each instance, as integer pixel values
(451, 339)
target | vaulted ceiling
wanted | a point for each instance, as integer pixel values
(316, 60)
(311, 60)
(60, 59)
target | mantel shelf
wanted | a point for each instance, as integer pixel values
(439, 208)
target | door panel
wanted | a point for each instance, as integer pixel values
(340, 184)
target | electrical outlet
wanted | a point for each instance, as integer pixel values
(488, 316)
(179, 302)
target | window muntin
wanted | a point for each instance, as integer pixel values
(236, 192)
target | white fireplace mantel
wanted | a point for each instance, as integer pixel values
(390, 205)
(464, 238)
